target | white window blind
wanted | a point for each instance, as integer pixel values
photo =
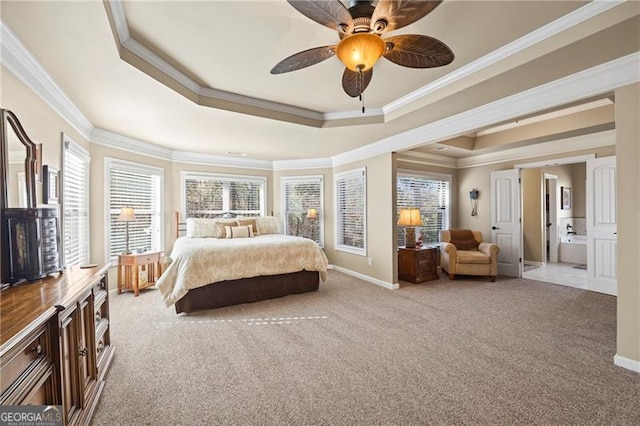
(75, 203)
(431, 194)
(299, 194)
(211, 194)
(351, 200)
(139, 187)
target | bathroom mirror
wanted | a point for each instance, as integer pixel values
(20, 164)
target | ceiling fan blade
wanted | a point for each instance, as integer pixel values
(417, 51)
(400, 13)
(330, 13)
(352, 84)
(304, 59)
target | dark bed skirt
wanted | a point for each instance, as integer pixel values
(247, 290)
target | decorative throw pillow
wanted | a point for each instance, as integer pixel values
(221, 224)
(268, 225)
(245, 231)
(252, 222)
(463, 239)
(201, 228)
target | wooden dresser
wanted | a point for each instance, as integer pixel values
(55, 344)
(417, 265)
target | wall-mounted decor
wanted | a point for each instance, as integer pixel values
(50, 185)
(565, 194)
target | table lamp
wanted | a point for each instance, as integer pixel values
(127, 215)
(409, 218)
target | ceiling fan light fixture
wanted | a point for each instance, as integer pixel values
(360, 51)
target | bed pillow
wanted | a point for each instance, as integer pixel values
(201, 228)
(252, 222)
(220, 226)
(245, 231)
(268, 225)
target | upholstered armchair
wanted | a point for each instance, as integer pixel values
(463, 252)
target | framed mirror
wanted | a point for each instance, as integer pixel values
(20, 164)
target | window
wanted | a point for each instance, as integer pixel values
(351, 201)
(140, 187)
(75, 203)
(205, 194)
(431, 194)
(299, 195)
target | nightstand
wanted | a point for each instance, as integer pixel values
(138, 270)
(417, 265)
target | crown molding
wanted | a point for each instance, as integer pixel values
(125, 143)
(147, 55)
(588, 11)
(235, 102)
(219, 160)
(305, 164)
(557, 162)
(15, 56)
(560, 146)
(427, 159)
(584, 84)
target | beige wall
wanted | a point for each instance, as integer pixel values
(40, 122)
(532, 215)
(628, 206)
(381, 244)
(565, 179)
(579, 185)
(480, 177)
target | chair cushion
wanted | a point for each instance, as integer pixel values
(463, 239)
(472, 256)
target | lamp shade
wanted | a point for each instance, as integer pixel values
(409, 217)
(312, 214)
(359, 52)
(126, 215)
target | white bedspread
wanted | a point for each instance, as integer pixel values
(197, 262)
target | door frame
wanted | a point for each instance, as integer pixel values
(551, 232)
(549, 163)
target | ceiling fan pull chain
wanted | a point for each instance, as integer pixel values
(360, 84)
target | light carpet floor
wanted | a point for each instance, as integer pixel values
(514, 351)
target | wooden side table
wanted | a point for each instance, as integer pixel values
(130, 267)
(417, 265)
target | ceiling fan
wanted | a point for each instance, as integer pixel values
(360, 28)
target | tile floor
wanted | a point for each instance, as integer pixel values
(559, 273)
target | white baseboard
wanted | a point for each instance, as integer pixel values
(627, 363)
(532, 263)
(390, 286)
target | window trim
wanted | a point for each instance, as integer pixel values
(70, 145)
(336, 178)
(185, 174)
(109, 162)
(426, 175)
(283, 201)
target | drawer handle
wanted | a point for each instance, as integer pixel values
(98, 317)
(37, 349)
(83, 352)
(100, 346)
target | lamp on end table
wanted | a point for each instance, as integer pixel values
(127, 215)
(410, 218)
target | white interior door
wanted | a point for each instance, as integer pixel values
(505, 220)
(601, 225)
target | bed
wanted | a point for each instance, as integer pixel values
(207, 272)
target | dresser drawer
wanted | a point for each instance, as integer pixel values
(19, 363)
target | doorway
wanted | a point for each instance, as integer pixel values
(553, 226)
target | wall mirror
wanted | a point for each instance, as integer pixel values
(20, 164)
